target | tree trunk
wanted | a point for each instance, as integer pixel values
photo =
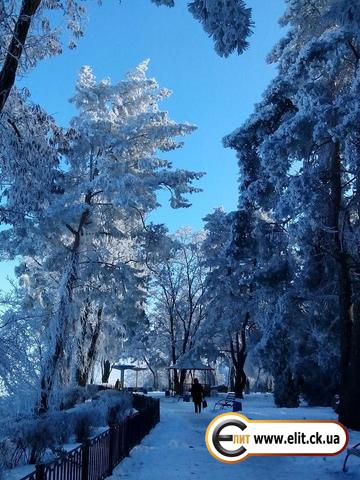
(106, 370)
(153, 372)
(239, 378)
(63, 319)
(81, 342)
(179, 381)
(83, 371)
(349, 412)
(182, 380)
(231, 383)
(238, 357)
(15, 48)
(155, 379)
(256, 384)
(61, 329)
(176, 382)
(353, 387)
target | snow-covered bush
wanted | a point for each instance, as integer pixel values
(71, 396)
(286, 392)
(113, 405)
(319, 386)
(34, 436)
(107, 408)
(82, 422)
(8, 454)
(31, 439)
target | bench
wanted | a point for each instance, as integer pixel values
(228, 401)
(184, 396)
(355, 450)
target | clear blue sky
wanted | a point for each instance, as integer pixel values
(214, 93)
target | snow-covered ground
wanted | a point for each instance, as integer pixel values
(176, 449)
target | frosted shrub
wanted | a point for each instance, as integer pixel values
(91, 390)
(82, 421)
(71, 396)
(286, 392)
(34, 436)
(61, 422)
(34, 439)
(109, 407)
(114, 405)
(8, 455)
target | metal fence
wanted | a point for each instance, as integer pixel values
(96, 458)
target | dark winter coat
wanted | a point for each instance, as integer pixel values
(197, 392)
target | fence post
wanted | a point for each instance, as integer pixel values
(40, 471)
(127, 447)
(112, 433)
(157, 411)
(85, 460)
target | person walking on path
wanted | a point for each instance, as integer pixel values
(197, 393)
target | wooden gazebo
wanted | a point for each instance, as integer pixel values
(123, 367)
(190, 367)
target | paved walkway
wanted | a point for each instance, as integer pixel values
(175, 449)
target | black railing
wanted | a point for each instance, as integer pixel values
(97, 457)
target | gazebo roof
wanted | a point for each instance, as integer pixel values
(128, 367)
(124, 367)
(189, 365)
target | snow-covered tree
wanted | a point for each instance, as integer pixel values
(228, 297)
(175, 309)
(247, 279)
(30, 147)
(18, 355)
(149, 346)
(298, 157)
(82, 253)
(227, 22)
(28, 35)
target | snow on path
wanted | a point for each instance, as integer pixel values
(176, 449)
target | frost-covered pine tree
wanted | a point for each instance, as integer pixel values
(246, 286)
(82, 252)
(298, 155)
(229, 297)
(227, 22)
(30, 146)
